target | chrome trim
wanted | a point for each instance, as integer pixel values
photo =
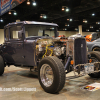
(73, 38)
(46, 75)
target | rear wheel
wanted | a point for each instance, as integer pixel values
(1, 66)
(95, 58)
(51, 74)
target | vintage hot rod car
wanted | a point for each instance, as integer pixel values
(36, 45)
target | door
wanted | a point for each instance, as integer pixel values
(15, 45)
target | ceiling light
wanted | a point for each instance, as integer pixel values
(93, 14)
(28, 2)
(15, 13)
(70, 19)
(63, 9)
(91, 26)
(66, 24)
(67, 19)
(9, 12)
(97, 22)
(41, 16)
(45, 16)
(76, 29)
(65, 29)
(84, 21)
(87, 29)
(67, 9)
(1, 20)
(34, 3)
(97, 30)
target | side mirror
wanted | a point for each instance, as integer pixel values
(20, 34)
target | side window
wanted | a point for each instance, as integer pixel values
(14, 32)
(7, 34)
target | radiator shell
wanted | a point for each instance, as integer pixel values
(76, 48)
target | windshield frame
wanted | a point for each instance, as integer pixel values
(55, 29)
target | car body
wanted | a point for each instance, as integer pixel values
(18, 49)
(36, 45)
(94, 45)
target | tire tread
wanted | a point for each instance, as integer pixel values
(60, 68)
(1, 66)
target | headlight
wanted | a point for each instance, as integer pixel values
(57, 51)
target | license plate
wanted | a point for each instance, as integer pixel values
(89, 68)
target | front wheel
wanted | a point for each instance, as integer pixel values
(51, 74)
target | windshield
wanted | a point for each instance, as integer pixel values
(40, 30)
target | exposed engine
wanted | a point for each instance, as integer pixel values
(50, 47)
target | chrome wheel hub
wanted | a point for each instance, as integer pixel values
(46, 75)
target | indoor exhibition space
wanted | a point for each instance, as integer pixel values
(49, 49)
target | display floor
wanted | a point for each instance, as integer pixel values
(22, 78)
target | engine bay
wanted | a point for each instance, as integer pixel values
(50, 47)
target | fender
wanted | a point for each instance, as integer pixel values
(95, 45)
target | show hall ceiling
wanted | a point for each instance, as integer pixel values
(76, 12)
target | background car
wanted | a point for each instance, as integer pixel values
(94, 46)
(92, 37)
